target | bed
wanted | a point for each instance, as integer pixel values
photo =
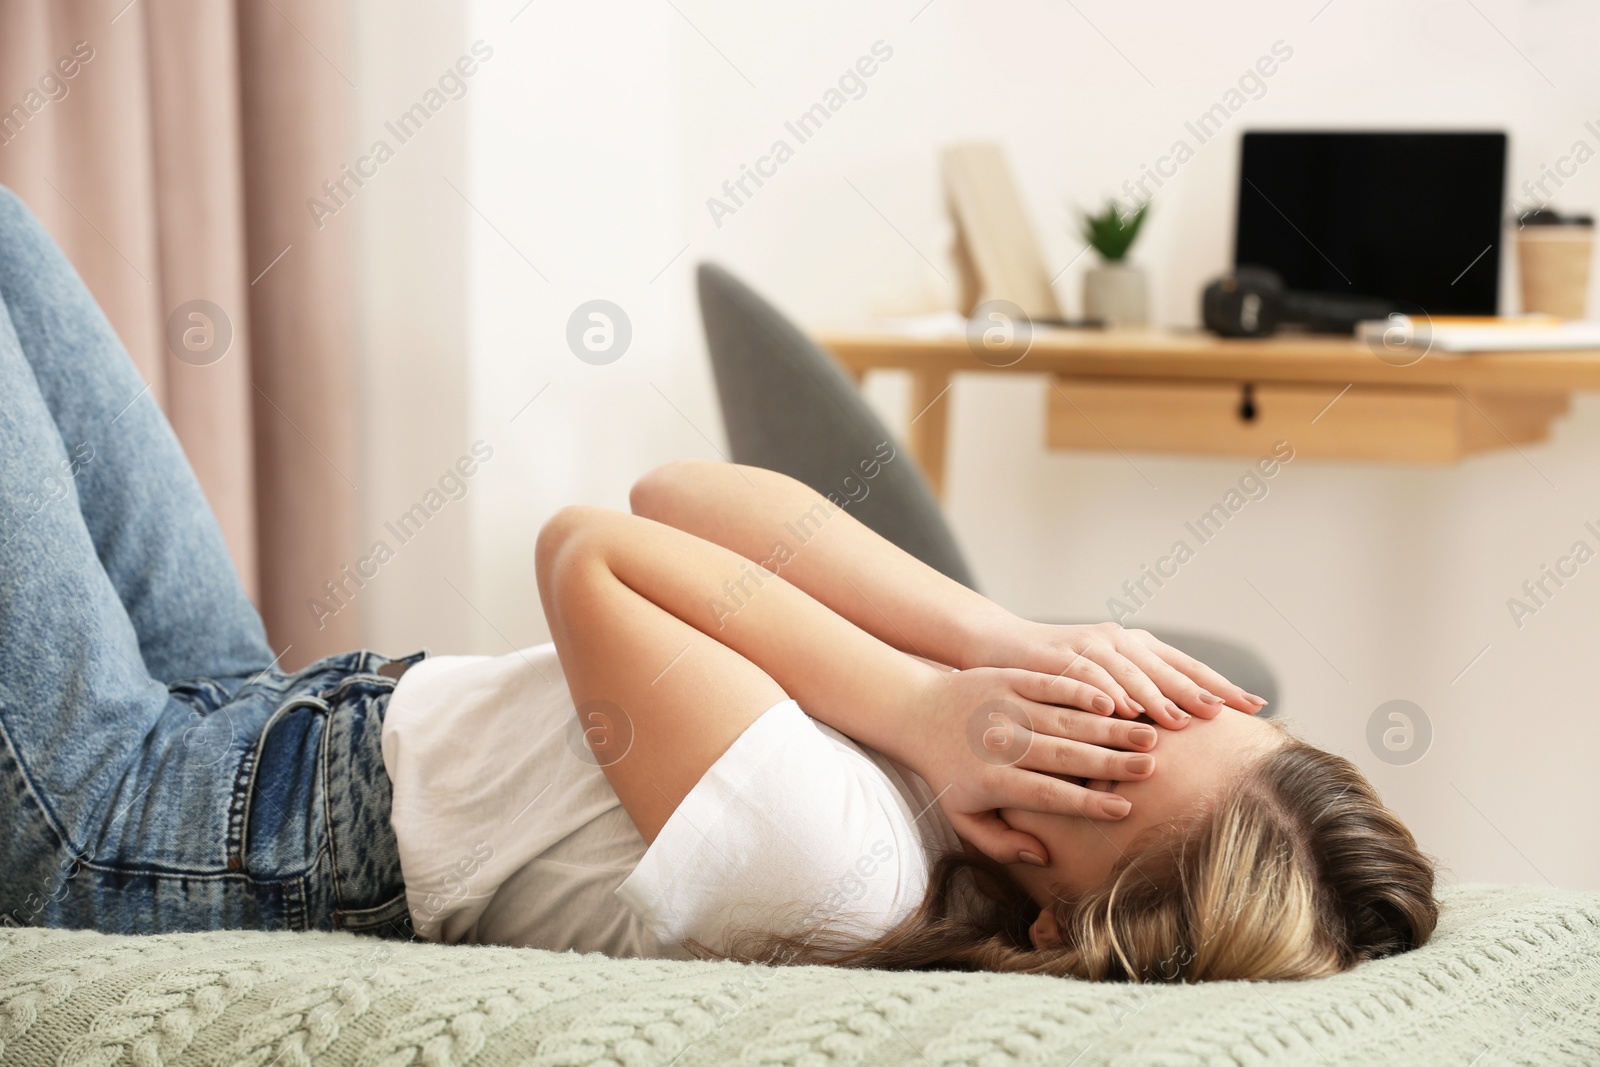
(1513, 976)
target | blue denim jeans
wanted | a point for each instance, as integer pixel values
(157, 771)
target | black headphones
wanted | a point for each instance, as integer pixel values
(1253, 302)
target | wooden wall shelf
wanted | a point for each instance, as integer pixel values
(1167, 391)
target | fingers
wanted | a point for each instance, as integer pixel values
(1055, 689)
(1177, 688)
(990, 835)
(1077, 759)
(1210, 681)
(1137, 683)
(1045, 720)
(1083, 668)
(1070, 742)
(1029, 790)
(1204, 691)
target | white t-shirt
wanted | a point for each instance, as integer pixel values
(510, 834)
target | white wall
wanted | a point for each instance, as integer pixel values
(599, 130)
(412, 235)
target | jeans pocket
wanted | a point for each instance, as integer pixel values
(275, 828)
(369, 888)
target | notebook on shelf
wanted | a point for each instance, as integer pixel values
(1516, 333)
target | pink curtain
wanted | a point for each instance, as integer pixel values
(170, 146)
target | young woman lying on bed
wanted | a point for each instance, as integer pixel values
(805, 783)
(900, 818)
(1072, 800)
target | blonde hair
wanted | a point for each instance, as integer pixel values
(1299, 871)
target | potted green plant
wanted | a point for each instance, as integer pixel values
(1115, 291)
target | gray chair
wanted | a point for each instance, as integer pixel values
(788, 407)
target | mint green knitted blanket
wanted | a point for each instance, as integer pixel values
(1513, 976)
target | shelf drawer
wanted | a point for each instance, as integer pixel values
(1371, 423)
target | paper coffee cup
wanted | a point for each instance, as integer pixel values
(1553, 259)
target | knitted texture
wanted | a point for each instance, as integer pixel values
(1512, 976)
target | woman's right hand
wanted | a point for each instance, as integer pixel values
(1142, 674)
(994, 737)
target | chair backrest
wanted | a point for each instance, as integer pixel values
(788, 407)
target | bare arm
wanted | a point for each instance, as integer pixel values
(790, 529)
(631, 609)
(772, 519)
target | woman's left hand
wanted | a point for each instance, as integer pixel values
(987, 739)
(1140, 673)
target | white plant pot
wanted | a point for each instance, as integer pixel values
(1116, 294)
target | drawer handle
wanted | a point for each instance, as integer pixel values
(1247, 403)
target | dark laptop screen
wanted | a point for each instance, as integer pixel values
(1412, 217)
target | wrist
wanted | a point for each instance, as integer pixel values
(905, 723)
(993, 639)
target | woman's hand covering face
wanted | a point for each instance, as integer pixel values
(995, 738)
(1143, 676)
